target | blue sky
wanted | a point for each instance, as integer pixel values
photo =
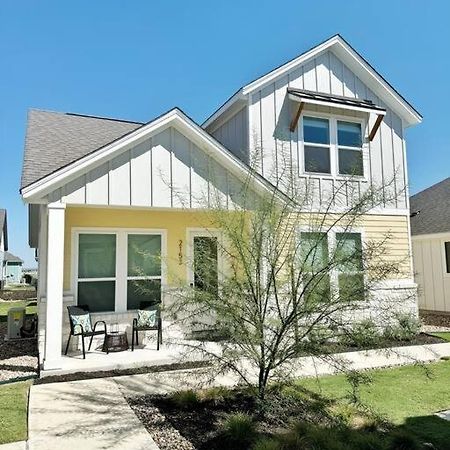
(136, 59)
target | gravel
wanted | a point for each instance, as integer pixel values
(435, 321)
(18, 358)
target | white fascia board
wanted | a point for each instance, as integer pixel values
(356, 63)
(35, 192)
(430, 236)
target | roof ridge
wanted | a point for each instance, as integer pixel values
(89, 116)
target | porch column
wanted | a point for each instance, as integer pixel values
(54, 285)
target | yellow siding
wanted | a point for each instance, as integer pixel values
(175, 223)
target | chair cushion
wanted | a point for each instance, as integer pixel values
(83, 320)
(147, 318)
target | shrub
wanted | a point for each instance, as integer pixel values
(403, 441)
(215, 395)
(186, 399)
(239, 429)
(364, 334)
(267, 444)
(405, 328)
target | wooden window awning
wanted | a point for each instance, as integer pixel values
(303, 97)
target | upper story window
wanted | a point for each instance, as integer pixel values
(316, 136)
(332, 146)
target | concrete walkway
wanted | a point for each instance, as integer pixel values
(87, 415)
(93, 414)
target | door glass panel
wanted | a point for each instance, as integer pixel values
(98, 295)
(139, 291)
(144, 255)
(205, 264)
(97, 256)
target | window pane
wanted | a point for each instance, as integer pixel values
(317, 288)
(349, 252)
(349, 134)
(314, 251)
(350, 162)
(316, 130)
(97, 256)
(317, 159)
(447, 256)
(143, 291)
(98, 295)
(144, 255)
(351, 286)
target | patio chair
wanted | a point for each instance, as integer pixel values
(149, 319)
(81, 325)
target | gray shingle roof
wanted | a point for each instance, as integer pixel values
(54, 140)
(12, 258)
(434, 206)
(3, 228)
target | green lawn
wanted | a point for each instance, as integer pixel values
(13, 411)
(406, 396)
(5, 306)
(443, 335)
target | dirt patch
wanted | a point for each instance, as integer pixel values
(18, 294)
(435, 319)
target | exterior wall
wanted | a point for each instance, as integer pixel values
(164, 171)
(13, 272)
(430, 272)
(270, 115)
(233, 134)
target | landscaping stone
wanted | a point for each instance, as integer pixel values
(18, 358)
(444, 414)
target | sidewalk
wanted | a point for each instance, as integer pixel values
(94, 415)
(88, 415)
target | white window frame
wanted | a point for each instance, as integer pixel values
(121, 278)
(202, 232)
(444, 260)
(331, 237)
(334, 148)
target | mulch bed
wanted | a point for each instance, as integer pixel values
(435, 319)
(18, 294)
(18, 358)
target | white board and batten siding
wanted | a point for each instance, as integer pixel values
(431, 272)
(269, 114)
(166, 170)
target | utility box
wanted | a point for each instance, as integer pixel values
(15, 322)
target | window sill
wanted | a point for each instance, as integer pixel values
(328, 176)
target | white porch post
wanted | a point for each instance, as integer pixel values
(54, 285)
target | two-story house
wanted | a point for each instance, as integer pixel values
(99, 188)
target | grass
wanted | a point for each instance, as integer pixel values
(407, 396)
(5, 306)
(443, 335)
(13, 411)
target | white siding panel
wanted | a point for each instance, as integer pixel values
(97, 188)
(141, 174)
(255, 150)
(161, 169)
(282, 133)
(323, 72)
(309, 76)
(349, 82)
(119, 180)
(181, 162)
(268, 129)
(199, 178)
(336, 74)
(75, 191)
(296, 78)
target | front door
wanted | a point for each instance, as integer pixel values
(204, 261)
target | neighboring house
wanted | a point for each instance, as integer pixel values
(430, 229)
(99, 188)
(3, 244)
(12, 268)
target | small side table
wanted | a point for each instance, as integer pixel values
(115, 341)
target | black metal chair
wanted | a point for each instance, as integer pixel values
(149, 306)
(77, 329)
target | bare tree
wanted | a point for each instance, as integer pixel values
(296, 273)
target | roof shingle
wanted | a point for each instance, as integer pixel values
(434, 206)
(54, 140)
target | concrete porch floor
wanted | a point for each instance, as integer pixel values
(144, 355)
